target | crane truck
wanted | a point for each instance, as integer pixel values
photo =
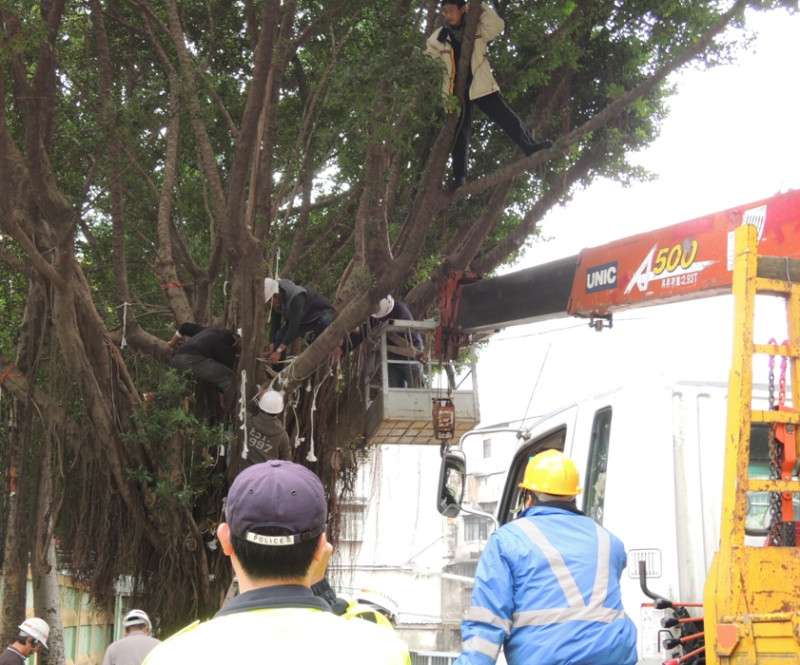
(713, 571)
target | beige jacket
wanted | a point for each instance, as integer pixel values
(489, 26)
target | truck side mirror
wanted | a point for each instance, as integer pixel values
(452, 482)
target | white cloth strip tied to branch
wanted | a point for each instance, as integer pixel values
(292, 400)
(243, 414)
(311, 457)
(124, 306)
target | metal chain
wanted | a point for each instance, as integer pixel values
(782, 381)
(775, 459)
(771, 384)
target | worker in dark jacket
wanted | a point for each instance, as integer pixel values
(297, 311)
(405, 370)
(266, 437)
(547, 584)
(209, 354)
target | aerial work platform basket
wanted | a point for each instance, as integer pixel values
(404, 387)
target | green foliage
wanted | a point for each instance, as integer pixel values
(356, 83)
(186, 448)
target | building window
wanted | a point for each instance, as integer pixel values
(490, 507)
(352, 522)
(475, 528)
(487, 448)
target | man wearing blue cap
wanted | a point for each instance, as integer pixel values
(274, 533)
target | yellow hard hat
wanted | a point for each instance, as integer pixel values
(552, 472)
(370, 613)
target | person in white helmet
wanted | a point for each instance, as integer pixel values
(404, 371)
(33, 634)
(294, 312)
(133, 648)
(266, 437)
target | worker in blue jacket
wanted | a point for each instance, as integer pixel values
(547, 585)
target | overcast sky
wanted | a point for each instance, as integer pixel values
(733, 136)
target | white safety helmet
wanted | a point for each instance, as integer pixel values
(271, 401)
(136, 618)
(37, 629)
(270, 288)
(385, 307)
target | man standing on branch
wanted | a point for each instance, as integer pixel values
(444, 45)
(274, 534)
(547, 584)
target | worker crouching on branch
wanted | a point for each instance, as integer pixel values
(547, 585)
(209, 354)
(274, 534)
(294, 311)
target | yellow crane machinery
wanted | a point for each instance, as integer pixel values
(752, 594)
(750, 600)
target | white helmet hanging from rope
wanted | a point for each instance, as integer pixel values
(385, 307)
(270, 288)
(37, 629)
(271, 401)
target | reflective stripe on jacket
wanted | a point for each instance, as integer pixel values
(483, 82)
(547, 591)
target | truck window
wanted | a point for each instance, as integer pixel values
(594, 488)
(510, 505)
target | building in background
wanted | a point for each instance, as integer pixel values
(394, 540)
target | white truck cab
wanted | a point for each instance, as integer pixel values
(651, 463)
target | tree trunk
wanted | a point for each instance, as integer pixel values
(15, 560)
(44, 568)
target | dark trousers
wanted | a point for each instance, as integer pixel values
(221, 376)
(405, 373)
(499, 111)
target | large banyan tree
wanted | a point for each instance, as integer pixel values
(160, 158)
